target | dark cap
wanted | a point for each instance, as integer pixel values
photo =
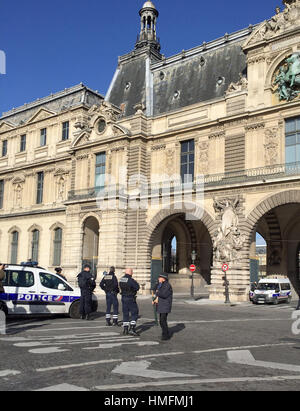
(165, 276)
(112, 269)
(58, 270)
(87, 266)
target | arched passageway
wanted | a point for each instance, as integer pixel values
(280, 227)
(172, 243)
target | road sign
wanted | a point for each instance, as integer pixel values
(225, 267)
(192, 268)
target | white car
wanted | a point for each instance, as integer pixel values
(30, 289)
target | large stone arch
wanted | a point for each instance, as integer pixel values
(268, 204)
(161, 215)
(154, 231)
(285, 198)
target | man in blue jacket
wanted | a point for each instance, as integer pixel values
(129, 288)
(163, 302)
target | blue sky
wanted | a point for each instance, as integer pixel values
(51, 45)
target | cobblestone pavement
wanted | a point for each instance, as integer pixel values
(213, 347)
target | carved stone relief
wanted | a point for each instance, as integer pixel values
(271, 146)
(228, 240)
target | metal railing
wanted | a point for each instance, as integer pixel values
(263, 174)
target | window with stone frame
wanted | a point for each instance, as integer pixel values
(23, 143)
(57, 247)
(4, 148)
(1, 193)
(187, 161)
(43, 137)
(14, 247)
(292, 141)
(40, 187)
(65, 130)
(100, 171)
(35, 239)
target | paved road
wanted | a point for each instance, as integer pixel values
(214, 347)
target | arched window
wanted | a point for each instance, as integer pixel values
(57, 247)
(14, 247)
(35, 245)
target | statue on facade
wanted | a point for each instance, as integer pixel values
(281, 21)
(240, 85)
(19, 191)
(287, 79)
(276, 22)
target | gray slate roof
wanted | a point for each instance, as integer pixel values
(193, 76)
(56, 103)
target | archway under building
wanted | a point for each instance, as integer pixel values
(171, 246)
(90, 244)
(279, 225)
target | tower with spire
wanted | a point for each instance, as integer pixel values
(148, 34)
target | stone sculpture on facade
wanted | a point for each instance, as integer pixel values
(271, 146)
(280, 22)
(228, 240)
(240, 85)
(287, 79)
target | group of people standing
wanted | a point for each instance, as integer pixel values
(128, 287)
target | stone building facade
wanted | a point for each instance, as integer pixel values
(85, 177)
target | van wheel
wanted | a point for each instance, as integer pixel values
(275, 302)
(74, 311)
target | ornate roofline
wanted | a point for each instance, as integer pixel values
(47, 99)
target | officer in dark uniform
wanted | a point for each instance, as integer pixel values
(109, 285)
(86, 283)
(129, 288)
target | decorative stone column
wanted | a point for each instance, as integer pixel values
(230, 247)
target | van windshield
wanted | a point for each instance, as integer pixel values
(267, 286)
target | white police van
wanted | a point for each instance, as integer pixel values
(30, 289)
(272, 290)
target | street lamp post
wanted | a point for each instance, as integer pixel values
(193, 256)
(226, 284)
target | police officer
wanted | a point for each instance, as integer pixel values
(129, 288)
(86, 283)
(109, 285)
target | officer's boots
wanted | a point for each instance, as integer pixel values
(115, 322)
(133, 331)
(108, 322)
(126, 330)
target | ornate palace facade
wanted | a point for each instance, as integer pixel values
(83, 177)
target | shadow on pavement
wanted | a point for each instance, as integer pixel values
(176, 329)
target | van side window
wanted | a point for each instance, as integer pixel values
(19, 279)
(285, 287)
